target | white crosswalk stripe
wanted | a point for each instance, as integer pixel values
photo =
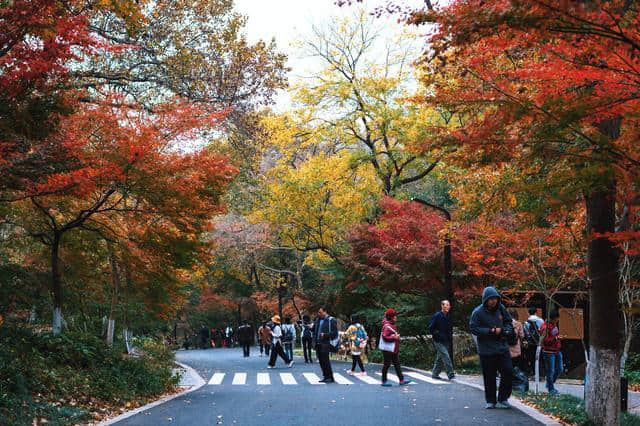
(426, 378)
(239, 379)
(288, 379)
(394, 378)
(264, 379)
(242, 378)
(339, 378)
(368, 380)
(312, 378)
(216, 379)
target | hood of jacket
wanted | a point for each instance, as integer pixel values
(386, 322)
(488, 293)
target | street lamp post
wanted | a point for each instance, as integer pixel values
(448, 280)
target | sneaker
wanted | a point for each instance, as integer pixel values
(349, 372)
(489, 406)
(406, 382)
(271, 366)
(437, 377)
(291, 364)
(451, 377)
(503, 405)
(364, 373)
(386, 384)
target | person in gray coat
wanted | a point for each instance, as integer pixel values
(492, 325)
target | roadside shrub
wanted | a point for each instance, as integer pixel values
(73, 369)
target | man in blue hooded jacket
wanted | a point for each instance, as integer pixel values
(491, 323)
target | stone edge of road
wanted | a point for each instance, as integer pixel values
(190, 371)
(514, 401)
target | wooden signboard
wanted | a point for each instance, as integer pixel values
(571, 323)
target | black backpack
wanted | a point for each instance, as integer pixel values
(306, 332)
(532, 334)
(287, 334)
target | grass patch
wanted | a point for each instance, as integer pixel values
(570, 409)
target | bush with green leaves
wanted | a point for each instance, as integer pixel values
(74, 365)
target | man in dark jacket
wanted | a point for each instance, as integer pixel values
(491, 324)
(325, 329)
(440, 330)
(245, 336)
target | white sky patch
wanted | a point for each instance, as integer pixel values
(287, 21)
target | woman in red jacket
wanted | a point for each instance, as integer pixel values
(551, 350)
(389, 345)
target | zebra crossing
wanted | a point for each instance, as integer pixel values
(289, 378)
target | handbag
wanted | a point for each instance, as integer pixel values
(383, 345)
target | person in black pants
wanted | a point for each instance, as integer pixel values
(307, 338)
(276, 345)
(325, 330)
(492, 324)
(390, 346)
(245, 336)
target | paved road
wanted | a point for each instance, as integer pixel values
(242, 391)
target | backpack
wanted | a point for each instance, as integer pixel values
(532, 334)
(334, 344)
(306, 332)
(361, 336)
(287, 334)
(512, 338)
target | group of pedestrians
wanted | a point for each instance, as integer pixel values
(500, 340)
(503, 343)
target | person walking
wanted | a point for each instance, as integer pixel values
(532, 337)
(307, 338)
(491, 324)
(357, 337)
(204, 337)
(440, 328)
(288, 336)
(516, 350)
(264, 337)
(390, 346)
(276, 344)
(551, 350)
(325, 330)
(245, 336)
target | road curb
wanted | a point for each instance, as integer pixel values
(514, 401)
(190, 371)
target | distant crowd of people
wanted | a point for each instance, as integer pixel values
(505, 345)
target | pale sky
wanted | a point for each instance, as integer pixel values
(289, 20)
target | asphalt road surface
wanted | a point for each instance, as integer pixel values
(242, 391)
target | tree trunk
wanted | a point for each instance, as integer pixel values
(448, 288)
(115, 280)
(56, 286)
(603, 370)
(126, 334)
(280, 296)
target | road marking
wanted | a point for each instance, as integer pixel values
(239, 379)
(394, 378)
(264, 379)
(312, 378)
(339, 378)
(216, 379)
(426, 378)
(368, 380)
(288, 379)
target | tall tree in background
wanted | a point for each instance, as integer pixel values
(551, 88)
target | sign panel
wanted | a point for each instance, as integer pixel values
(571, 323)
